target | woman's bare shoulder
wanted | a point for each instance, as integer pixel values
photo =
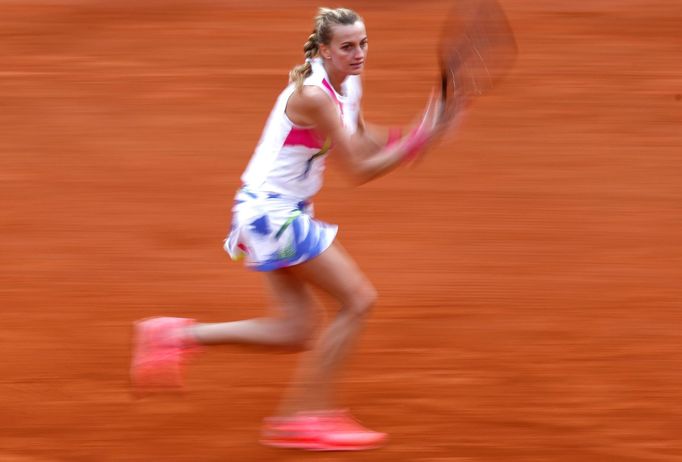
(310, 96)
(306, 105)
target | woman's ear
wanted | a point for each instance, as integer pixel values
(325, 52)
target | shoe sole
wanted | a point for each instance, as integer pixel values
(318, 447)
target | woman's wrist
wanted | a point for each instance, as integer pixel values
(395, 134)
(414, 142)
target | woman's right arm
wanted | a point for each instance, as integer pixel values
(313, 107)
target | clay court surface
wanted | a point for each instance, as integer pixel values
(529, 270)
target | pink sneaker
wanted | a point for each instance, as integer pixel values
(321, 431)
(159, 352)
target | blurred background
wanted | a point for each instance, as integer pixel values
(529, 270)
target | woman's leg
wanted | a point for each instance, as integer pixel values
(291, 323)
(335, 272)
(162, 344)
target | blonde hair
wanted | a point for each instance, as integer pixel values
(322, 34)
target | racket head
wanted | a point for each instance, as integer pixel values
(477, 50)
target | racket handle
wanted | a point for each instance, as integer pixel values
(419, 137)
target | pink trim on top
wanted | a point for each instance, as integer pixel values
(308, 137)
(329, 87)
(304, 137)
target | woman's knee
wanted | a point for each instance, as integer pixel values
(363, 298)
(300, 333)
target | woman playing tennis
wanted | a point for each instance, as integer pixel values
(273, 230)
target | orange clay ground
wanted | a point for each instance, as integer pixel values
(529, 270)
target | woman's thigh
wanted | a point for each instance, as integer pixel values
(335, 272)
(291, 297)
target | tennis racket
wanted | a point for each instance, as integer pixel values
(477, 50)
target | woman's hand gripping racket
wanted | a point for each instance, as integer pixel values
(477, 49)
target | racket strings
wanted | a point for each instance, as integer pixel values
(478, 48)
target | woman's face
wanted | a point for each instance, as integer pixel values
(348, 49)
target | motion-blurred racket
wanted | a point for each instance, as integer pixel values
(477, 49)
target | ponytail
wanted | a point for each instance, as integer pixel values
(299, 73)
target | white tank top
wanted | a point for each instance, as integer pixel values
(290, 159)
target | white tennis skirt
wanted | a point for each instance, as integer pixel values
(271, 231)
